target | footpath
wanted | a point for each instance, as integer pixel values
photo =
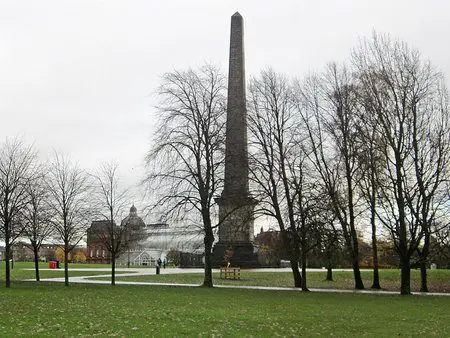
(125, 272)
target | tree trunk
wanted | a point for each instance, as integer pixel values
(66, 264)
(405, 278)
(113, 268)
(303, 259)
(376, 276)
(36, 262)
(359, 285)
(296, 273)
(7, 266)
(424, 262)
(208, 241)
(293, 257)
(373, 193)
(113, 246)
(304, 286)
(354, 236)
(423, 276)
(329, 273)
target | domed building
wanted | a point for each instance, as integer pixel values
(133, 221)
(148, 242)
(133, 234)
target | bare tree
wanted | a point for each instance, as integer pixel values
(69, 188)
(37, 217)
(273, 128)
(407, 96)
(370, 158)
(431, 158)
(16, 174)
(329, 113)
(110, 202)
(331, 243)
(280, 169)
(311, 218)
(440, 244)
(186, 161)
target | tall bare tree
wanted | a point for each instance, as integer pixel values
(37, 216)
(17, 172)
(329, 113)
(69, 188)
(370, 158)
(407, 96)
(110, 202)
(279, 165)
(185, 163)
(431, 158)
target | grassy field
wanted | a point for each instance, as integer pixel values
(50, 309)
(22, 271)
(438, 280)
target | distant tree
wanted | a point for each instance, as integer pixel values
(440, 248)
(80, 256)
(186, 160)
(110, 202)
(332, 248)
(174, 257)
(37, 216)
(271, 249)
(69, 188)
(310, 218)
(60, 256)
(387, 255)
(17, 173)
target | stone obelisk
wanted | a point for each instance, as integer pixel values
(236, 206)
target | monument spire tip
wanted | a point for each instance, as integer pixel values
(237, 14)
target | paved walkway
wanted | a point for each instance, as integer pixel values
(124, 272)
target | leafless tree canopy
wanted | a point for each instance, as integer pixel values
(373, 137)
(17, 172)
(330, 110)
(185, 164)
(110, 202)
(409, 100)
(37, 215)
(69, 188)
(278, 161)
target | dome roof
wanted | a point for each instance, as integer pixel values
(133, 220)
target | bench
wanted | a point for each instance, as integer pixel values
(227, 272)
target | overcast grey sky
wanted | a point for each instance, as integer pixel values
(77, 76)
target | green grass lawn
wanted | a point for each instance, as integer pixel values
(50, 309)
(21, 271)
(438, 280)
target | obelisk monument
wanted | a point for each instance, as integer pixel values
(236, 206)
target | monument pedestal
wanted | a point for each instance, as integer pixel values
(243, 255)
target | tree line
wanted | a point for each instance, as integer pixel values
(56, 201)
(360, 145)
